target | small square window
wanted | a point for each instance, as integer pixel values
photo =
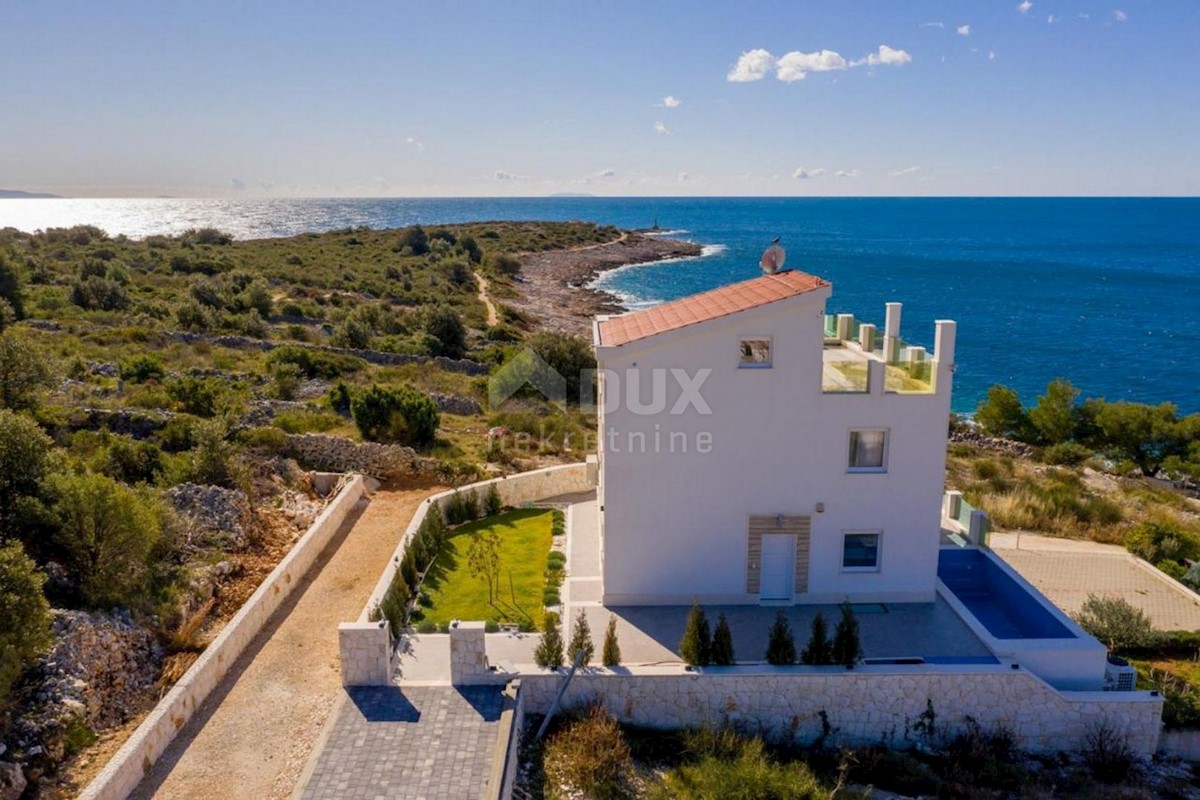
(868, 451)
(860, 552)
(754, 353)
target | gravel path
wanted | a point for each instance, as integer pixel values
(253, 735)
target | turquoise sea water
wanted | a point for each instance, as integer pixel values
(1105, 292)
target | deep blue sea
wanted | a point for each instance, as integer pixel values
(1105, 292)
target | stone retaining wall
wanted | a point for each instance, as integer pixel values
(868, 705)
(339, 454)
(125, 770)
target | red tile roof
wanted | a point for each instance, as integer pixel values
(705, 306)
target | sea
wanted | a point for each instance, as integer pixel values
(1102, 291)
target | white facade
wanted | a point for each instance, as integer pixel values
(685, 494)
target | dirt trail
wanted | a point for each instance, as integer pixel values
(253, 735)
(493, 318)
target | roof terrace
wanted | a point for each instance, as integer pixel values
(858, 357)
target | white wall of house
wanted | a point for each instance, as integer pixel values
(675, 511)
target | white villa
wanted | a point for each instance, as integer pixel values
(753, 450)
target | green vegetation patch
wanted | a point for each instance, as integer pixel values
(457, 591)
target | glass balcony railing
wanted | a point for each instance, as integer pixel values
(844, 373)
(908, 370)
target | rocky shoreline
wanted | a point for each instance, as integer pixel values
(555, 285)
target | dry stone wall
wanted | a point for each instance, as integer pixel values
(339, 454)
(865, 706)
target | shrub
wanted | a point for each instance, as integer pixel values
(24, 371)
(448, 335)
(23, 459)
(781, 646)
(316, 363)
(1116, 623)
(285, 379)
(847, 650)
(1054, 417)
(394, 606)
(1109, 754)
(549, 652)
(130, 461)
(461, 507)
(26, 614)
(10, 288)
(590, 756)
(572, 358)
(722, 643)
(503, 263)
(141, 368)
(581, 640)
(1162, 541)
(610, 654)
(750, 775)
(400, 414)
(109, 534)
(306, 421)
(1070, 454)
(696, 644)
(492, 504)
(340, 397)
(819, 650)
(415, 239)
(100, 294)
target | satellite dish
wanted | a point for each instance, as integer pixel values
(773, 258)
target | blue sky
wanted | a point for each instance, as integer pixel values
(531, 98)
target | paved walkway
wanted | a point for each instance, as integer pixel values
(253, 735)
(427, 742)
(1068, 570)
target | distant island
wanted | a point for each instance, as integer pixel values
(571, 194)
(17, 194)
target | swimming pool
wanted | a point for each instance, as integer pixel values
(1000, 604)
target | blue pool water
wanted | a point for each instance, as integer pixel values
(996, 600)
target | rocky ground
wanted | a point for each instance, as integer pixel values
(554, 284)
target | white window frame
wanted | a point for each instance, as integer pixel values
(878, 534)
(770, 340)
(887, 443)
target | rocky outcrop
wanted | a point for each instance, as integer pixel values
(220, 516)
(456, 404)
(97, 675)
(262, 412)
(12, 781)
(338, 454)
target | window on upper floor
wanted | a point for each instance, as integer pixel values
(754, 352)
(868, 450)
(860, 551)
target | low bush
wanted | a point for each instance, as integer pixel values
(141, 368)
(461, 506)
(395, 414)
(492, 504)
(1109, 755)
(316, 363)
(748, 775)
(590, 757)
(306, 421)
(26, 614)
(1163, 541)
(1117, 624)
(1069, 454)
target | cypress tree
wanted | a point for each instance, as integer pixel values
(819, 649)
(611, 654)
(549, 652)
(781, 645)
(581, 639)
(847, 650)
(722, 643)
(696, 645)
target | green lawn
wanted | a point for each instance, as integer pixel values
(524, 552)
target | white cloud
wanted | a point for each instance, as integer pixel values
(1024, 6)
(906, 171)
(415, 142)
(932, 25)
(1050, 20)
(885, 56)
(847, 173)
(236, 184)
(804, 174)
(795, 65)
(964, 30)
(1082, 15)
(671, 101)
(751, 65)
(991, 55)
(661, 129)
(501, 175)
(1120, 16)
(684, 177)
(606, 173)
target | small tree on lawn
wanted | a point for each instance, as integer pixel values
(847, 650)
(581, 639)
(696, 644)
(722, 643)
(819, 649)
(781, 645)
(483, 560)
(549, 652)
(611, 654)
